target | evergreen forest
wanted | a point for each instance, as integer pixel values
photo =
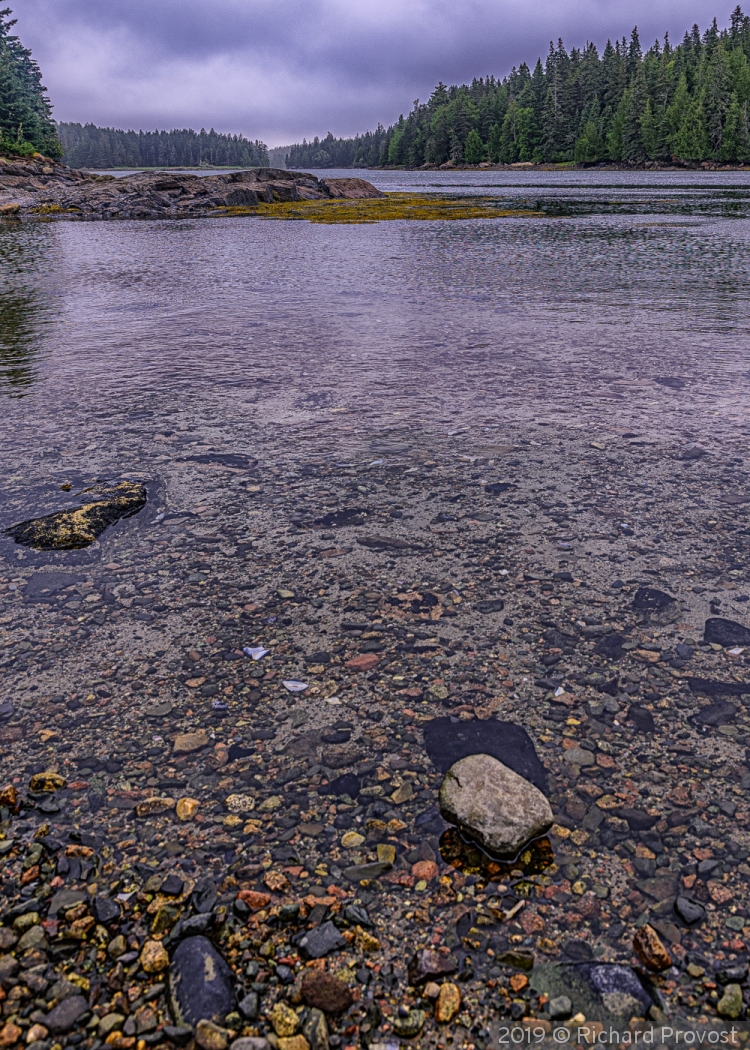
(26, 124)
(670, 104)
(88, 146)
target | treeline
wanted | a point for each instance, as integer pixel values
(363, 151)
(26, 124)
(687, 103)
(88, 146)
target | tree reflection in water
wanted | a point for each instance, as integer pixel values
(23, 307)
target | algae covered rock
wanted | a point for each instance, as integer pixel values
(495, 806)
(73, 529)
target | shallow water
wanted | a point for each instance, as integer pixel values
(509, 406)
(465, 319)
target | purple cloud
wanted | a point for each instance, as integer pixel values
(281, 69)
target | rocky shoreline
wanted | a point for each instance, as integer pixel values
(234, 738)
(42, 188)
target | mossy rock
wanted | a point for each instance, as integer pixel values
(73, 529)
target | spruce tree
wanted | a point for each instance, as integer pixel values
(26, 124)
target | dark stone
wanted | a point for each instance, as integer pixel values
(710, 687)
(492, 605)
(578, 951)
(238, 751)
(726, 632)
(63, 900)
(610, 646)
(642, 718)
(719, 713)
(200, 983)
(172, 886)
(51, 582)
(204, 895)
(102, 506)
(65, 1014)
(637, 819)
(347, 784)
(689, 910)
(684, 651)
(7, 710)
(650, 600)
(249, 1006)
(732, 974)
(427, 964)
(586, 984)
(321, 941)
(105, 910)
(495, 488)
(366, 871)
(325, 992)
(656, 606)
(224, 459)
(447, 741)
(179, 1035)
(336, 736)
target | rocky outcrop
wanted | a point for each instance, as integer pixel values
(29, 188)
(493, 805)
(68, 530)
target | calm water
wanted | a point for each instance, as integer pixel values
(244, 325)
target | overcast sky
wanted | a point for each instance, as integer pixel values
(282, 69)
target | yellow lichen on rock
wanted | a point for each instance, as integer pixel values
(73, 529)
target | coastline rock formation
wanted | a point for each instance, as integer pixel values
(41, 187)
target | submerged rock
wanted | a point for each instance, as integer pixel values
(726, 632)
(73, 529)
(447, 742)
(200, 983)
(492, 804)
(607, 992)
(656, 606)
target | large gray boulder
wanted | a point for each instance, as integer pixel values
(495, 806)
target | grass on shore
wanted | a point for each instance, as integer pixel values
(409, 206)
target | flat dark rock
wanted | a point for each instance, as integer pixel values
(609, 992)
(62, 1018)
(656, 605)
(642, 719)
(204, 895)
(491, 605)
(712, 687)
(347, 516)
(224, 459)
(200, 983)
(496, 487)
(446, 742)
(383, 543)
(726, 632)
(610, 646)
(357, 872)
(719, 713)
(321, 941)
(649, 599)
(427, 964)
(74, 529)
(43, 585)
(638, 819)
(689, 911)
(106, 910)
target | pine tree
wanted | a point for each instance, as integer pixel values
(26, 123)
(474, 148)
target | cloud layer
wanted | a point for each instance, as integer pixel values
(283, 69)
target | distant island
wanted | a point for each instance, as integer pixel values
(88, 146)
(683, 105)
